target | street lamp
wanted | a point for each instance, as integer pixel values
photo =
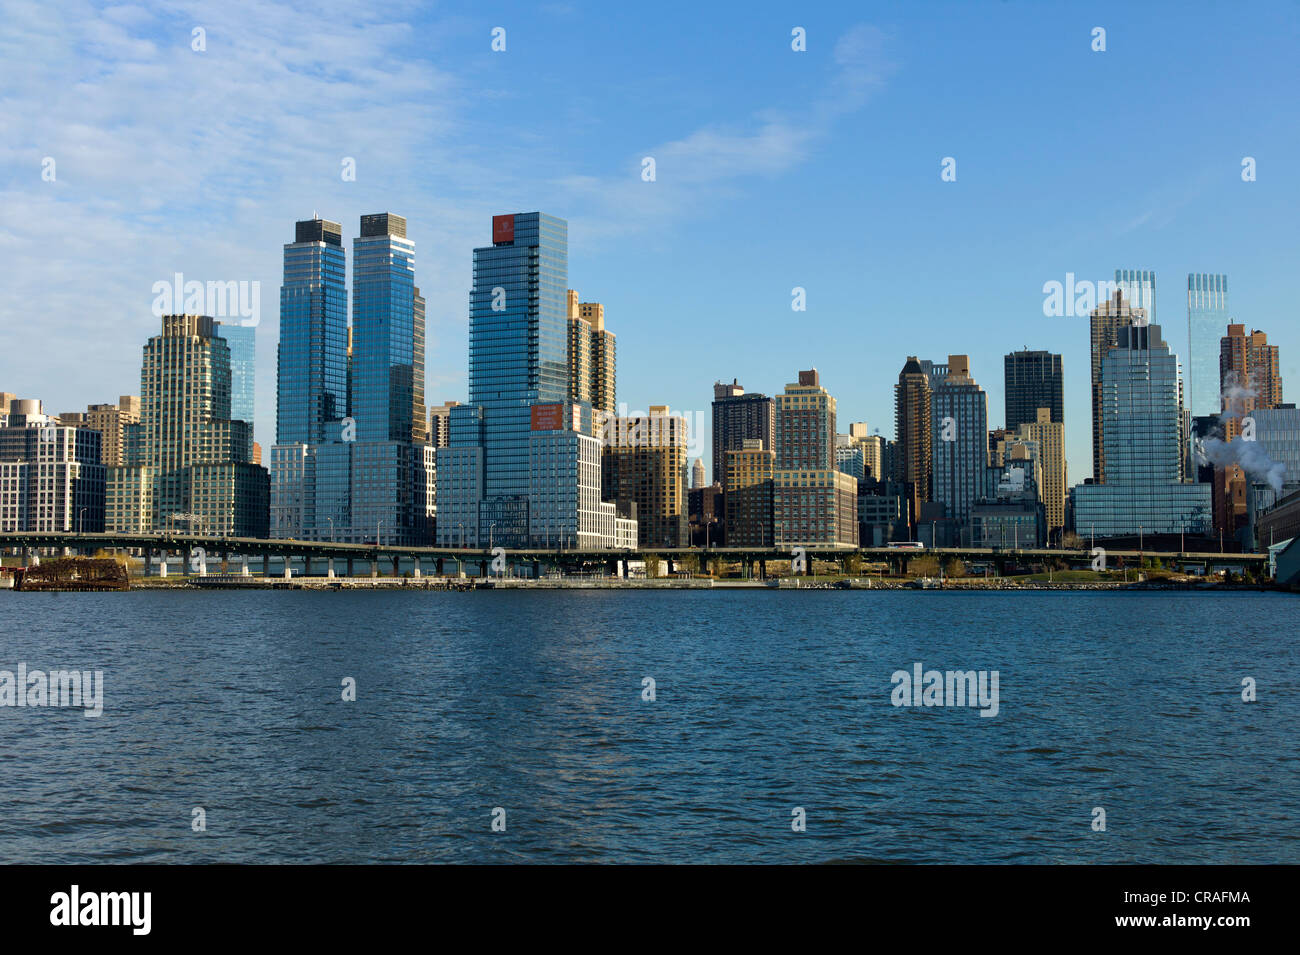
(331, 520)
(492, 525)
(81, 522)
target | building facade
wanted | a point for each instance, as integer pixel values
(1140, 425)
(1033, 380)
(188, 463)
(1207, 317)
(738, 417)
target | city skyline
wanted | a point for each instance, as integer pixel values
(790, 147)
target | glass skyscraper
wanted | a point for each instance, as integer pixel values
(311, 383)
(1139, 288)
(1141, 432)
(242, 340)
(1207, 323)
(367, 474)
(958, 440)
(385, 306)
(518, 358)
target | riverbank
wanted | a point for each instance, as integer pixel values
(686, 583)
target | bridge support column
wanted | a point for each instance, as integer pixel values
(306, 565)
(374, 566)
(288, 567)
(395, 571)
(349, 566)
(762, 568)
(162, 564)
(437, 566)
(148, 560)
(329, 568)
(245, 572)
(416, 573)
(482, 568)
(266, 565)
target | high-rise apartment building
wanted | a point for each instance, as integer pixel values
(813, 502)
(1053, 488)
(111, 422)
(351, 462)
(958, 441)
(188, 464)
(748, 495)
(592, 356)
(738, 417)
(1249, 376)
(912, 435)
(1032, 380)
(642, 463)
(1207, 317)
(51, 478)
(496, 482)
(440, 423)
(1140, 429)
(1105, 323)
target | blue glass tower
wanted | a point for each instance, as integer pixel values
(242, 340)
(1207, 322)
(1141, 432)
(311, 383)
(518, 357)
(384, 311)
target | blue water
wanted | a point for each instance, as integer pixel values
(766, 701)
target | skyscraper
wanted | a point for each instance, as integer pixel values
(188, 463)
(440, 423)
(912, 455)
(1139, 288)
(1249, 376)
(592, 351)
(242, 340)
(1140, 425)
(311, 377)
(1207, 317)
(737, 417)
(387, 321)
(813, 502)
(642, 465)
(1049, 436)
(350, 461)
(1105, 323)
(1032, 380)
(958, 441)
(502, 450)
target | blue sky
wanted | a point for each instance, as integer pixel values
(775, 169)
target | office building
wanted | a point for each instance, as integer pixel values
(1106, 321)
(242, 340)
(1049, 437)
(1140, 430)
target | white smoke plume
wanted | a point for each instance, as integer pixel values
(1250, 456)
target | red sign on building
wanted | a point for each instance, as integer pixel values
(547, 417)
(503, 228)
